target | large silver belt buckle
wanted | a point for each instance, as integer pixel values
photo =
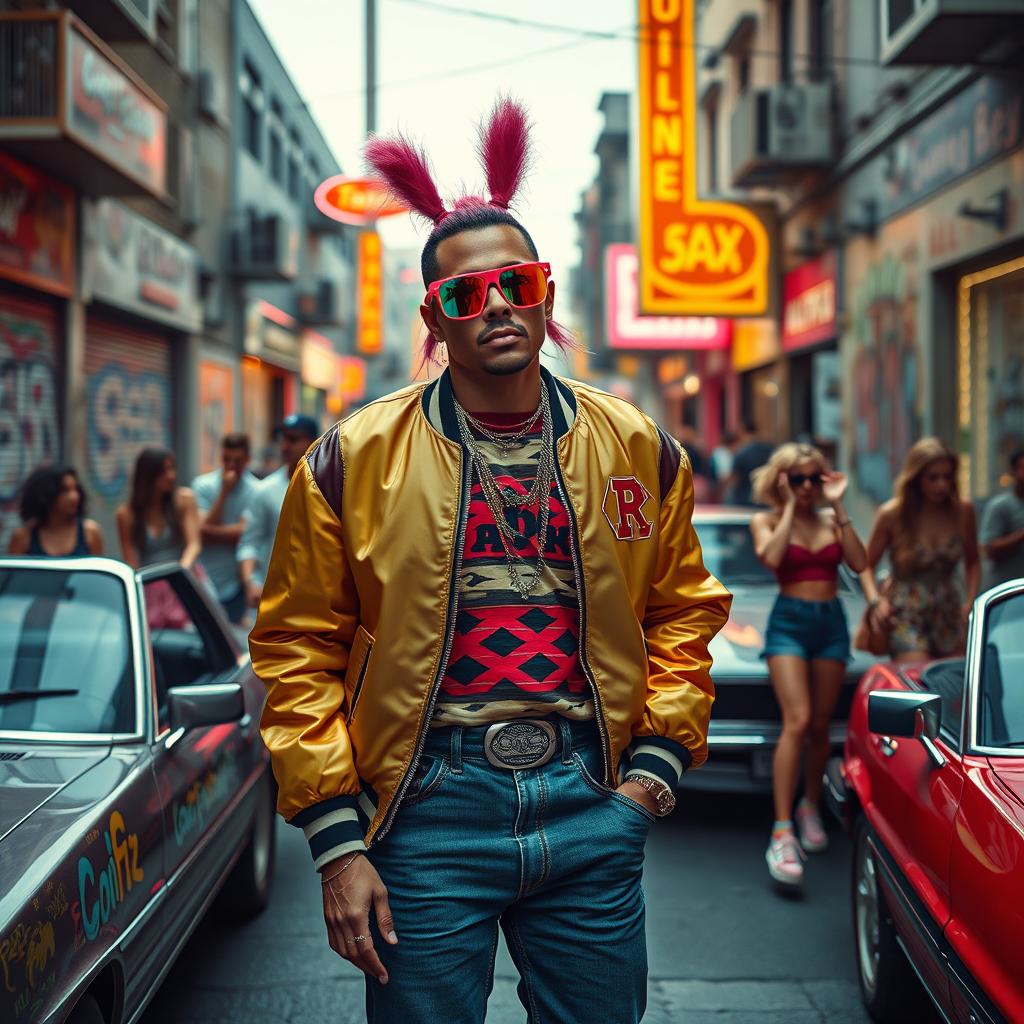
(524, 743)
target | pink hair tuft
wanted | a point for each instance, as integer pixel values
(560, 335)
(404, 169)
(504, 149)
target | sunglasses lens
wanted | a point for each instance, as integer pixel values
(461, 297)
(524, 285)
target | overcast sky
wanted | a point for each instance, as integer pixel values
(439, 67)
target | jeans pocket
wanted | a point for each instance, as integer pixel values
(584, 772)
(633, 806)
(430, 774)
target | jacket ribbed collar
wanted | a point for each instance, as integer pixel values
(439, 405)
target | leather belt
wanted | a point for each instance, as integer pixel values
(521, 743)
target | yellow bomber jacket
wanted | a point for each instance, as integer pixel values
(359, 605)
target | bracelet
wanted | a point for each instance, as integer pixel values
(344, 868)
(845, 522)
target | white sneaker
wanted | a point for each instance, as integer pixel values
(809, 828)
(785, 858)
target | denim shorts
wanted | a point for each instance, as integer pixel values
(807, 629)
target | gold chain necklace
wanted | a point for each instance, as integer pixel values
(499, 498)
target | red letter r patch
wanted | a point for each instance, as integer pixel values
(624, 500)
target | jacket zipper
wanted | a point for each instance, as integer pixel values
(466, 473)
(581, 599)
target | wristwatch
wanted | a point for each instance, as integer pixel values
(661, 791)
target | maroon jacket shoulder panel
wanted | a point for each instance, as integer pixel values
(669, 458)
(324, 461)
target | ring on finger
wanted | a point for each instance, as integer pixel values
(357, 938)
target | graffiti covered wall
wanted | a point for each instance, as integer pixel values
(129, 408)
(29, 396)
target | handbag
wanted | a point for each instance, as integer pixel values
(869, 636)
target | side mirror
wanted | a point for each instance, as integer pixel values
(191, 707)
(912, 715)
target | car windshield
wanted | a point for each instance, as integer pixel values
(1001, 714)
(65, 653)
(729, 554)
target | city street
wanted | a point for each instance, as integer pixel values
(723, 946)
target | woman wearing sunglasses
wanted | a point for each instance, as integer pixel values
(807, 644)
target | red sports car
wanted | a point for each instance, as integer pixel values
(932, 784)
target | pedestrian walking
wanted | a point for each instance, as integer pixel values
(222, 496)
(160, 522)
(53, 516)
(295, 434)
(1002, 530)
(502, 565)
(721, 462)
(930, 535)
(807, 642)
(751, 454)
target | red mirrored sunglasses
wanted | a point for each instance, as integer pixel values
(463, 297)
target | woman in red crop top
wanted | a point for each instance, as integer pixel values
(804, 537)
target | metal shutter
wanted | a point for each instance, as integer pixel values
(128, 387)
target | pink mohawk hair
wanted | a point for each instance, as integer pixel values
(504, 150)
(404, 169)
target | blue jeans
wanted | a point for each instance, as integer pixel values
(548, 853)
(811, 630)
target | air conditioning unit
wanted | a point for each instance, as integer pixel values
(322, 305)
(781, 131)
(265, 248)
(207, 97)
(948, 31)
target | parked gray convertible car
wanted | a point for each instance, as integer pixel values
(134, 786)
(745, 721)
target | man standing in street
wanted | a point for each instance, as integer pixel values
(1002, 530)
(751, 454)
(484, 633)
(222, 496)
(295, 434)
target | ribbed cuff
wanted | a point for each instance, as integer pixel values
(331, 828)
(659, 758)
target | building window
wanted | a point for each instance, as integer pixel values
(295, 167)
(314, 173)
(820, 32)
(276, 153)
(785, 40)
(743, 73)
(712, 116)
(250, 87)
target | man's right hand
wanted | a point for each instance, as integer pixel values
(349, 896)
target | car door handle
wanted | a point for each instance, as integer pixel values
(886, 744)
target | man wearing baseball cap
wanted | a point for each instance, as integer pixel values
(295, 434)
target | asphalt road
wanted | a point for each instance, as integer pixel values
(723, 946)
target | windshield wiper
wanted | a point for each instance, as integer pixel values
(10, 696)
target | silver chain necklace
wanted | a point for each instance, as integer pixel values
(500, 498)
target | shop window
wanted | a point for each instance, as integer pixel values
(250, 86)
(991, 399)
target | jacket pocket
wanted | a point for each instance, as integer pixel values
(358, 661)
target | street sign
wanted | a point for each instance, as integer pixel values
(356, 201)
(697, 257)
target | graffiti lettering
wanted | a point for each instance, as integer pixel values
(127, 412)
(101, 81)
(204, 797)
(29, 432)
(35, 945)
(58, 904)
(116, 878)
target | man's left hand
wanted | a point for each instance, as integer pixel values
(640, 795)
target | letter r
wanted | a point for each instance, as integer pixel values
(624, 499)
